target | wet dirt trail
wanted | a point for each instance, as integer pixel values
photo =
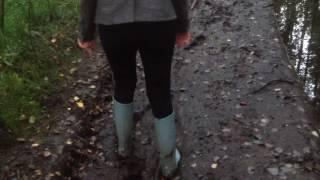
(242, 114)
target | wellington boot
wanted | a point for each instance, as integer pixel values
(166, 138)
(123, 117)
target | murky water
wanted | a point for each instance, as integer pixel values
(299, 22)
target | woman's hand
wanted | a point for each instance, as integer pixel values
(87, 46)
(183, 39)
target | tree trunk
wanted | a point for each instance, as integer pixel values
(1, 15)
(6, 138)
(315, 46)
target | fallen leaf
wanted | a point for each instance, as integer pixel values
(76, 98)
(214, 166)
(53, 40)
(38, 172)
(69, 142)
(32, 119)
(80, 104)
(265, 121)
(21, 139)
(35, 145)
(47, 153)
(73, 70)
(315, 133)
(92, 87)
(194, 165)
(277, 89)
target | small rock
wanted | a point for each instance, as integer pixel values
(258, 136)
(268, 145)
(145, 141)
(258, 142)
(278, 150)
(265, 120)
(288, 168)
(206, 82)
(259, 99)
(317, 167)
(246, 144)
(247, 155)
(208, 134)
(273, 171)
(251, 170)
(274, 130)
(226, 130)
(225, 157)
(306, 150)
(224, 148)
(110, 164)
(177, 178)
(72, 118)
(296, 153)
(283, 177)
(239, 116)
(138, 133)
(60, 149)
(193, 165)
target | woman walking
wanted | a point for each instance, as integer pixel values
(152, 28)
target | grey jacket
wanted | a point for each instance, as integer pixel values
(111, 12)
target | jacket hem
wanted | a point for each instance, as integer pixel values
(103, 22)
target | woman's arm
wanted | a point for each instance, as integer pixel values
(182, 8)
(87, 16)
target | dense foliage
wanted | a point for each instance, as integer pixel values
(37, 41)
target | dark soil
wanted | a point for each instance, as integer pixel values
(242, 114)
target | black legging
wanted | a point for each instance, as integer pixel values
(155, 43)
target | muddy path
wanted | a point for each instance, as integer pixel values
(242, 114)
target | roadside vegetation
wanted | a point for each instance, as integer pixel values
(37, 41)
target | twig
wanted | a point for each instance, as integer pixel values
(194, 3)
(273, 82)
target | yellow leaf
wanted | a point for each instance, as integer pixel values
(80, 104)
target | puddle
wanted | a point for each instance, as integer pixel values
(299, 22)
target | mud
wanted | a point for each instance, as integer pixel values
(242, 113)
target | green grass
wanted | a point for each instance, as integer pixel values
(37, 42)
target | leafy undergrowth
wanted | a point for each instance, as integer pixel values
(37, 43)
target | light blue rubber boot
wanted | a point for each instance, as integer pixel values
(166, 138)
(123, 117)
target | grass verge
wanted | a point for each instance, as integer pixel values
(38, 41)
